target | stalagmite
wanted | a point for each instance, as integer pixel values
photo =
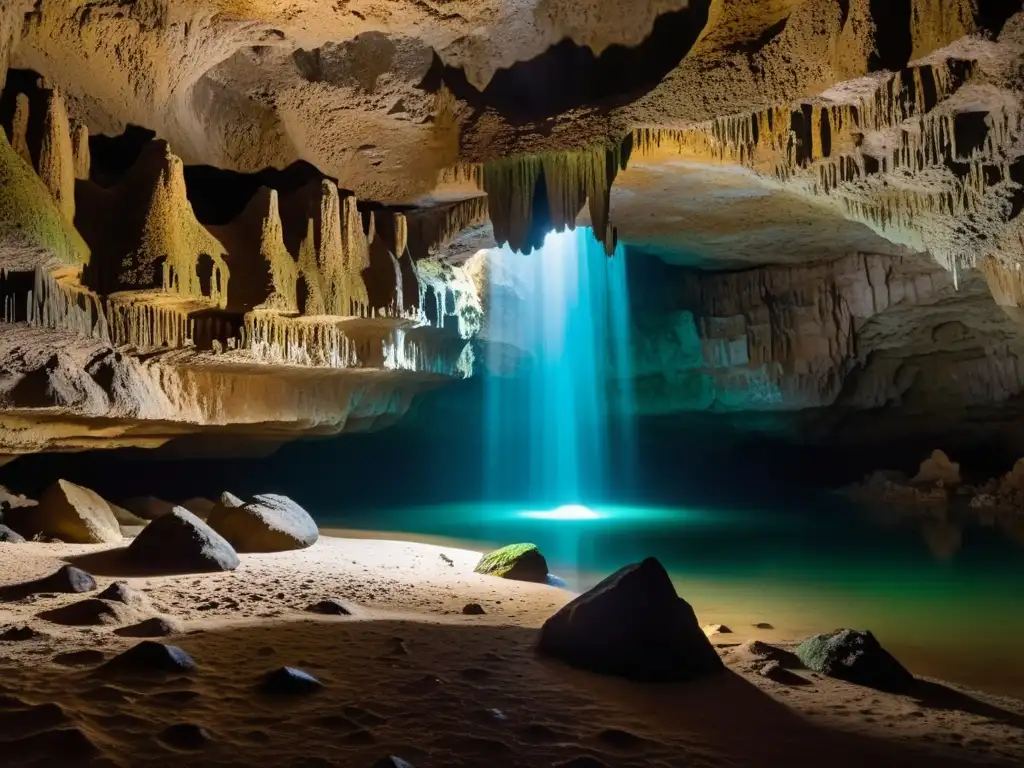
(19, 128)
(56, 162)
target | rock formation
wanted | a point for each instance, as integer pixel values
(835, 188)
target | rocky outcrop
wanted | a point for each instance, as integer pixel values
(634, 625)
(268, 523)
(179, 542)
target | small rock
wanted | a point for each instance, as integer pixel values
(151, 657)
(9, 536)
(90, 612)
(157, 626)
(290, 681)
(446, 560)
(759, 651)
(185, 736)
(763, 625)
(18, 634)
(774, 671)
(68, 580)
(520, 562)
(123, 592)
(717, 629)
(329, 607)
(473, 609)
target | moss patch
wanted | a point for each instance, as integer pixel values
(522, 562)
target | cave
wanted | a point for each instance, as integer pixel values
(492, 383)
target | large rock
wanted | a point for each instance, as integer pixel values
(9, 536)
(269, 523)
(151, 657)
(856, 657)
(180, 542)
(148, 507)
(521, 562)
(634, 625)
(73, 514)
(66, 580)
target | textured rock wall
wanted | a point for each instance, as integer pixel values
(865, 331)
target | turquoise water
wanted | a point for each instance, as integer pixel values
(945, 594)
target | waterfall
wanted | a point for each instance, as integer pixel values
(548, 429)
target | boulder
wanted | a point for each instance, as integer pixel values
(937, 468)
(473, 609)
(148, 507)
(199, 506)
(290, 681)
(73, 514)
(181, 543)
(269, 523)
(856, 657)
(520, 562)
(124, 517)
(9, 536)
(150, 656)
(633, 625)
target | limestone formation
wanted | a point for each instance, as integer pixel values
(74, 514)
(179, 542)
(634, 625)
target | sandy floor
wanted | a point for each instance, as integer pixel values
(410, 675)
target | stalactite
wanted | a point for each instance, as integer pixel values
(282, 340)
(55, 300)
(147, 321)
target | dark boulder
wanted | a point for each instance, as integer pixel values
(269, 523)
(18, 634)
(150, 657)
(520, 562)
(9, 536)
(65, 580)
(290, 681)
(634, 625)
(856, 657)
(473, 609)
(180, 542)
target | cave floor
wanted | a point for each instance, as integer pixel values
(409, 675)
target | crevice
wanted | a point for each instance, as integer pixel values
(893, 41)
(569, 76)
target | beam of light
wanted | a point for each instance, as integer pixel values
(564, 512)
(547, 428)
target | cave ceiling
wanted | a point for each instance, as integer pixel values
(210, 188)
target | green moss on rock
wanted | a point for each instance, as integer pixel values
(521, 562)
